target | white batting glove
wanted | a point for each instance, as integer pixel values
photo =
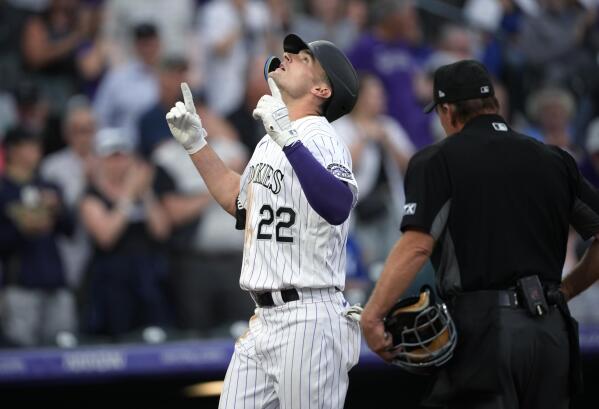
(354, 312)
(185, 124)
(275, 117)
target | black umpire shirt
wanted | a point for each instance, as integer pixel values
(498, 204)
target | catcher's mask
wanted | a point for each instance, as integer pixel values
(424, 335)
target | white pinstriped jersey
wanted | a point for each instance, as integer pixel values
(287, 244)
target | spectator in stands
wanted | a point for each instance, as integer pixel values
(31, 6)
(70, 169)
(32, 107)
(173, 20)
(498, 16)
(35, 302)
(357, 12)
(93, 55)
(551, 43)
(393, 51)
(12, 21)
(380, 150)
(233, 33)
(129, 90)
(32, 111)
(458, 42)
(127, 225)
(454, 43)
(502, 22)
(552, 109)
(326, 20)
(50, 44)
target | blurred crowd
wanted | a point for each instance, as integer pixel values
(107, 233)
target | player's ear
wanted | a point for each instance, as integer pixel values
(322, 90)
(443, 108)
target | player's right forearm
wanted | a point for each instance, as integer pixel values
(222, 182)
(584, 274)
(186, 127)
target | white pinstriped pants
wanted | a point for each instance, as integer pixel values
(294, 356)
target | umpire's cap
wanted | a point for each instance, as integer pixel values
(339, 70)
(462, 80)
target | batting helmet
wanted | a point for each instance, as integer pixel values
(424, 335)
(339, 71)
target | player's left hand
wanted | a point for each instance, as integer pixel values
(378, 340)
(275, 116)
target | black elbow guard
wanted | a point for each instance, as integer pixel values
(240, 215)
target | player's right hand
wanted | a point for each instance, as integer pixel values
(185, 124)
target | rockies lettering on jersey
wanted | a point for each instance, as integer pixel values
(268, 177)
(287, 244)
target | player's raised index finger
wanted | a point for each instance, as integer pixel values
(188, 98)
(274, 89)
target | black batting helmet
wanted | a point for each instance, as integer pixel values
(339, 71)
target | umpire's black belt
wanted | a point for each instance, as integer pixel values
(266, 299)
(498, 298)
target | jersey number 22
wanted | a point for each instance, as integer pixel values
(285, 219)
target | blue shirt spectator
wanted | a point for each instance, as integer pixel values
(35, 302)
(32, 215)
(126, 92)
(393, 52)
(29, 259)
(153, 129)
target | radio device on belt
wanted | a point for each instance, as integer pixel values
(532, 295)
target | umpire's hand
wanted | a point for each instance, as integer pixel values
(185, 124)
(378, 340)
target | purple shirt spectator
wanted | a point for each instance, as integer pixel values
(396, 64)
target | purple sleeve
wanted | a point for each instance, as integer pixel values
(329, 197)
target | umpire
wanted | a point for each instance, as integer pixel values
(492, 208)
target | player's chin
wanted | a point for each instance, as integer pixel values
(276, 74)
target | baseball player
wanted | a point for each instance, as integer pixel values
(293, 200)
